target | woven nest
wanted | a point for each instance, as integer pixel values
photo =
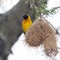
(42, 33)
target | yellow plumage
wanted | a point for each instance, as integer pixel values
(26, 23)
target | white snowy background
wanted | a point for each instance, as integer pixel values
(22, 51)
(6, 5)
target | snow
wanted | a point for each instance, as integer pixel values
(24, 52)
(7, 5)
(55, 19)
(53, 3)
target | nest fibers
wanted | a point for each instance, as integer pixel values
(42, 33)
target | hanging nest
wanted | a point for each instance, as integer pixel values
(42, 33)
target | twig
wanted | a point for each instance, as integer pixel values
(54, 8)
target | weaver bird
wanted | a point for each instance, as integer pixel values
(26, 23)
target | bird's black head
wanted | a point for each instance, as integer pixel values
(25, 16)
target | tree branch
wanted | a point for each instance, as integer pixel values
(55, 7)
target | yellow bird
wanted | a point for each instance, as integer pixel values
(26, 23)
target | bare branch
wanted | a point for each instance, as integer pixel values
(56, 7)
